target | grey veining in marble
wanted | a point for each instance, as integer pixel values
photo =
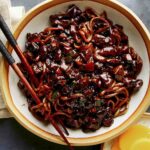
(141, 9)
(15, 137)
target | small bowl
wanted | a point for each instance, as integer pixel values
(35, 21)
(144, 120)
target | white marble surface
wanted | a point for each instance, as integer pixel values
(15, 137)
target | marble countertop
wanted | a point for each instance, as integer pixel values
(12, 135)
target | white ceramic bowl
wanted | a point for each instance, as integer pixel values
(35, 21)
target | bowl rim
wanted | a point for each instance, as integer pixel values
(4, 70)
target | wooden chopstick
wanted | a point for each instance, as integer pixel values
(12, 63)
(5, 29)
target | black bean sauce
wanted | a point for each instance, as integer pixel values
(86, 69)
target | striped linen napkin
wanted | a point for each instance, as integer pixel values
(11, 15)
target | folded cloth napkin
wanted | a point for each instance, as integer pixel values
(11, 15)
(5, 12)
